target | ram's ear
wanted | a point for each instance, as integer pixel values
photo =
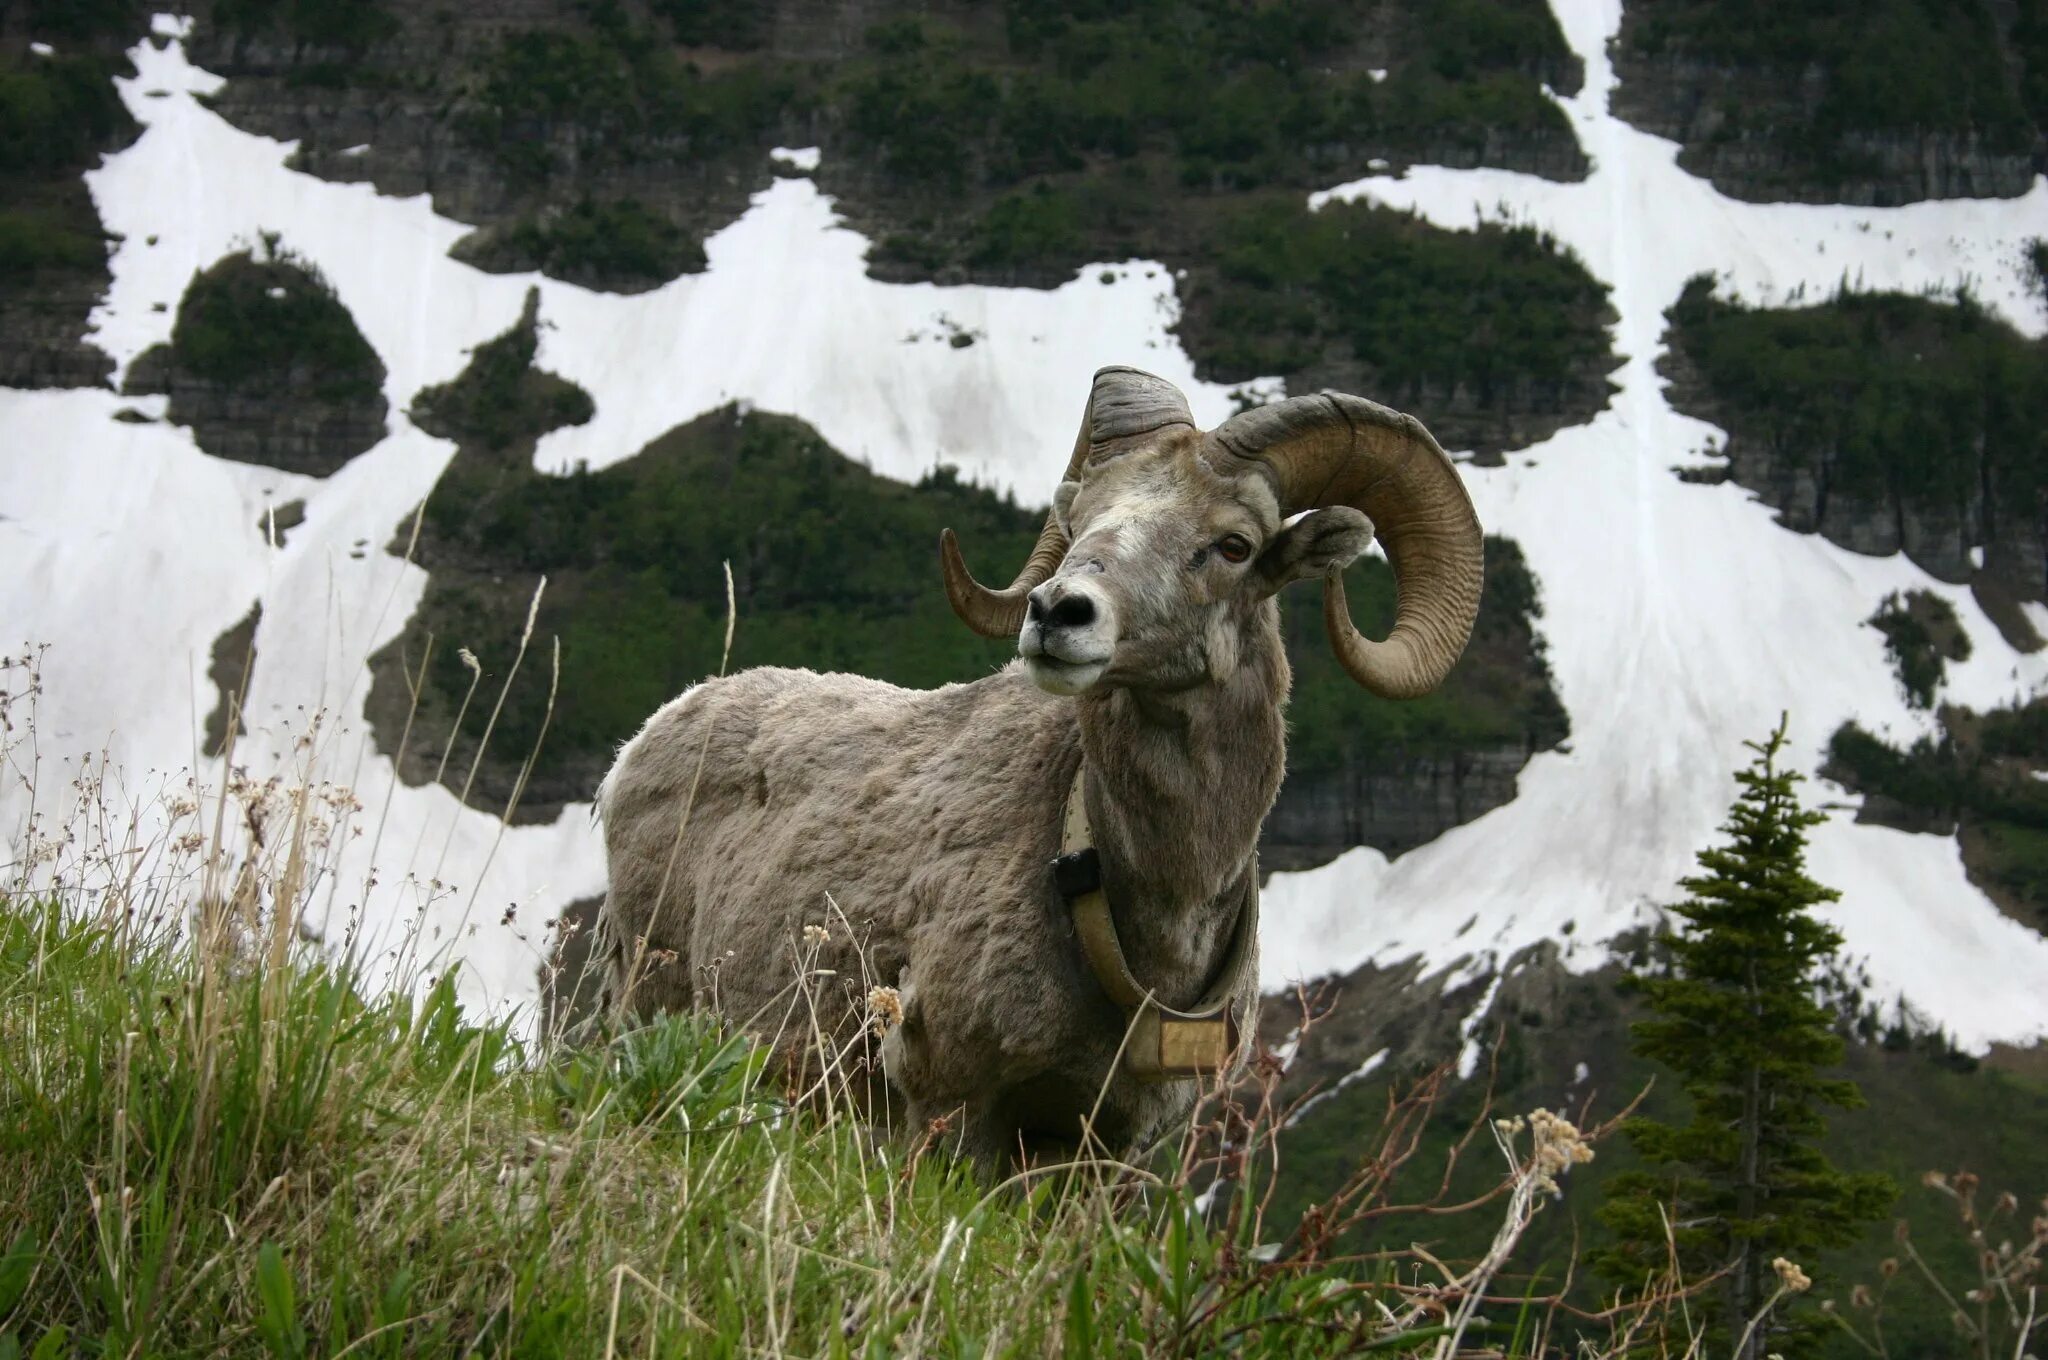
(1318, 543)
(1063, 506)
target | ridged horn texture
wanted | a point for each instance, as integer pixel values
(1122, 403)
(1334, 449)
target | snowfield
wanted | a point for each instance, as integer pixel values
(1681, 620)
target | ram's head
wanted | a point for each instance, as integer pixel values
(1164, 539)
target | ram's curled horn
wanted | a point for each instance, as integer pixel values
(1122, 403)
(1333, 449)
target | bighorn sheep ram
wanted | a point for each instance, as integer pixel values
(1144, 715)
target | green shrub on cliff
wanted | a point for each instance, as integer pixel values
(1421, 308)
(56, 112)
(267, 324)
(1931, 404)
(1879, 66)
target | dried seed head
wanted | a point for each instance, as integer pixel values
(1792, 1276)
(885, 1009)
(815, 935)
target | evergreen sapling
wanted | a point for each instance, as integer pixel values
(1744, 1183)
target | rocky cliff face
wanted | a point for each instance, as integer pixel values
(59, 113)
(509, 110)
(1880, 105)
(43, 327)
(1888, 424)
(394, 108)
(1393, 805)
(297, 431)
(1750, 156)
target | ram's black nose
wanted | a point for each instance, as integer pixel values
(1049, 607)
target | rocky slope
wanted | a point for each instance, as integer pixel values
(1547, 1034)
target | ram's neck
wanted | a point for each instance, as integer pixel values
(1179, 786)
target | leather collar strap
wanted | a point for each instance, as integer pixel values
(1163, 1044)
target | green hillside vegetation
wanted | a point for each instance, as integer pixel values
(1927, 1110)
(57, 114)
(834, 568)
(501, 399)
(615, 94)
(1123, 118)
(617, 243)
(327, 28)
(975, 135)
(1817, 82)
(267, 366)
(1887, 66)
(1876, 414)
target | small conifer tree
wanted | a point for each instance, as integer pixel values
(1744, 1183)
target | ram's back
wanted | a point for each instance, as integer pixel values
(759, 804)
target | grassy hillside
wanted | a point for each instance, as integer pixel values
(213, 1148)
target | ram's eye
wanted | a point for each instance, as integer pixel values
(1234, 547)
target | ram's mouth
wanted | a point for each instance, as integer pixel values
(1055, 676)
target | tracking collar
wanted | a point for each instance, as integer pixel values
(1163, 1044)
